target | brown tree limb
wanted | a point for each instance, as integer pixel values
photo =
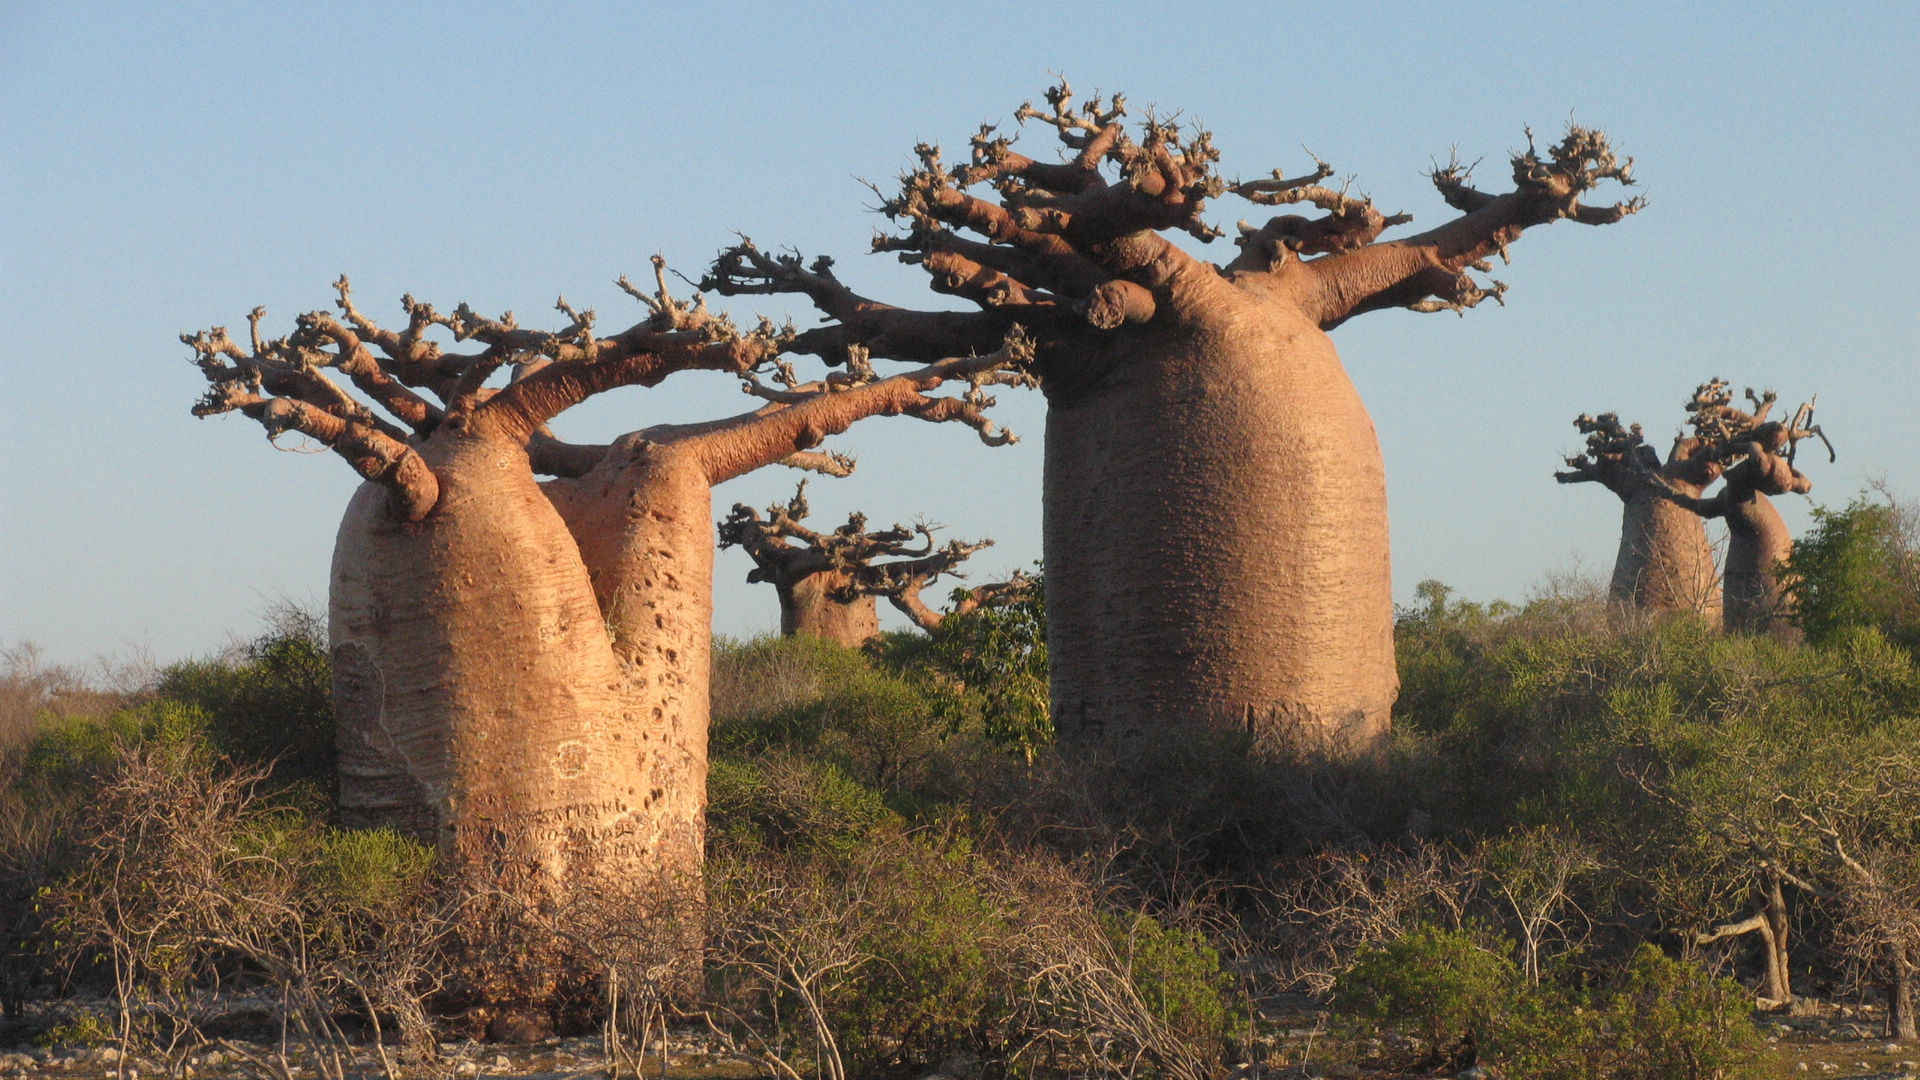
(740, 444)
(1546, 189)
(888, 332)
(372, 453)
(1616, 456)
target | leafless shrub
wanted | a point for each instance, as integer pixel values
(786, 939)
(1320, 910)
(638, 941)
(904, 953)
(1100, 990)
(191, 881)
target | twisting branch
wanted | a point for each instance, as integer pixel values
(1758, 452)
(280, 386)
(1434, 264)
(282, 382)
(800, 415)
(891, 332)
(1073, 249)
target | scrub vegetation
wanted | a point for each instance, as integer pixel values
(1599, 844)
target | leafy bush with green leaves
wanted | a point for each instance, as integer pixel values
(1443, 987)
(1658, 1019)
(1674, 1021)
(272, 704)
(778, 800)
(1001, 654)
(1178, 975)
(1858, 566)
(882, 728)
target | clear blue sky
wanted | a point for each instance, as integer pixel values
(167, 167)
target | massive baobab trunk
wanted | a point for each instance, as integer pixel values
(1759, 457)
(1665, 562)
(1216, 533)
(479, 706)
(521, 669)
(1216, 536)
(1758, 543)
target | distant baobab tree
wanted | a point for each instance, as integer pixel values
(1665, 562)
(1758, 457)
(828, 581)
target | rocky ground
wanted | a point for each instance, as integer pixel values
(1839, 1042)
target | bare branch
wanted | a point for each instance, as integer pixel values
(802, 417)
(1406, 272)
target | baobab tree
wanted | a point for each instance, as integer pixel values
(521, 668)
(1215, 530)
(1665, 562)
(1757, 455)
(828, 581)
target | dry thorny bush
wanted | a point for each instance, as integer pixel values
(908, 954)
(192, 883)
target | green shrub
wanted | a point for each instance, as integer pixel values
(1179, 977)
(1440, 986)
(1000, 653)
(1673, 1021)
(1858, 567)
(896, 943)
(75, 753)
(272, 705)
(782, 801)
(84, 1029)
(882, 728)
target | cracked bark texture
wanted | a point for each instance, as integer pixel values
(1664, 562)
(828, 581)
(1757, 456)
(1215, 510)
(521, 668)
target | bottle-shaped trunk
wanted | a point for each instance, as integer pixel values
(1665, 562)
(1216, 541)
(479, 705)
(1757, 543)
(809, 606)
(643, 522)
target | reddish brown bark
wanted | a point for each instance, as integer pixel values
(1215, 528)
(827, 581)
(1664, 562)
(1758, 458)
(521, 669)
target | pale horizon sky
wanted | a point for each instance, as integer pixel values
(168, 167)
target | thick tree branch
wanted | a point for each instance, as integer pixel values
(1616, 456)
(676, 336)
(736, 446)
(888, 332)
(372, 453)
(1432, 264)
